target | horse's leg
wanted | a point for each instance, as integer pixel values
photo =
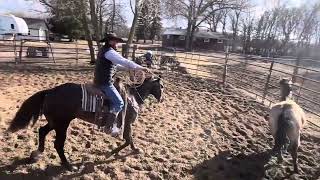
(43, 131)
(59, 146)
(126, 136)
(293, 148)
(294, 154)
(129, 136)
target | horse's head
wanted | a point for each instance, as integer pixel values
(153, 86)
(285, 88)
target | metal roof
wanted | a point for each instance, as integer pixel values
(199, 34)
(174, 31)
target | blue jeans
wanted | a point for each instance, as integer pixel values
(113, 95)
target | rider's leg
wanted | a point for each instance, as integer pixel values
(115, 107)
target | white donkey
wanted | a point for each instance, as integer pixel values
(286, 120)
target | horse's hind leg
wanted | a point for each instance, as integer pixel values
(294, 154)
(61, 135)
(43, 131)
(293, 148)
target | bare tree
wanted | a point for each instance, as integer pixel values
(305, 31)
(95, 22)
(234, 20)
(247, 31)
(111, 13)
(85, 23)
(214, 19)
(288, 22)
(136, 12)
(308, 24)
(197, 11)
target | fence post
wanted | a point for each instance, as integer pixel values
(135, 47)
(20, 51)
(296, 68)
(77, 52)
(300, 87)
(192, 62)
(225, 69)
(266, 87)
(198, 63)
(125, 50)
(15, 48)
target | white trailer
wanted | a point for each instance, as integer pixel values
(11, 25)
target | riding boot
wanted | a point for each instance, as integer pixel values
(115, 131)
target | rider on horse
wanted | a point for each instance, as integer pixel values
(107, 62)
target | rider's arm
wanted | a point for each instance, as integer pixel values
(116, 58)
(121, 68)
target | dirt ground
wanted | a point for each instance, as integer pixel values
(201, 131)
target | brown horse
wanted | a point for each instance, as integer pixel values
(61, 104)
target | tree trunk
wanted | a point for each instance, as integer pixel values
(133, 27)
(101, 20)
(94, 22)
(188, 35)
(85, 24)
(113, 15)
(193, 29)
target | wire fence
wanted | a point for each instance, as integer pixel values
(258, 76)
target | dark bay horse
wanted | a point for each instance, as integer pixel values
(61, 104)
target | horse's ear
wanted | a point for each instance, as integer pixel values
(158, 79)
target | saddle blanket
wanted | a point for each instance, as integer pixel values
(90, 102)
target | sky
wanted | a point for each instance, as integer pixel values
(32, 8)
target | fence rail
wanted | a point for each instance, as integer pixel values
(258, 76)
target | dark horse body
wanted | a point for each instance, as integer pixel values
(62, 104)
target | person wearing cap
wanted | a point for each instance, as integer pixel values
(108, 61)
(148, 57)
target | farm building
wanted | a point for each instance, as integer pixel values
(37, 29)
(203, 40)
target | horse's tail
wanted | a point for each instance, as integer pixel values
(284, 123)
(30, 109)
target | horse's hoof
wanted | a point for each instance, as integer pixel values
(280, 159)
(137, 151)
(69, 167)
(35, 156)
